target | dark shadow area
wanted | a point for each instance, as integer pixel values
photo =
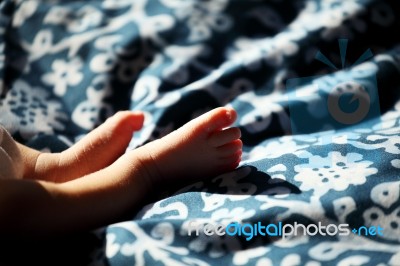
(256, 177)
(71, 250)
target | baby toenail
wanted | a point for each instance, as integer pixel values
(229, 114)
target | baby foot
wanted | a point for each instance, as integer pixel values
(100, 148)
(201, 148)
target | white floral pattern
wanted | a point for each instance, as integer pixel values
(336, 172)
(271, 50)
(202, 17)
(29, 111)
(64, 74)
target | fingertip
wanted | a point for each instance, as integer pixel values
(126, 120)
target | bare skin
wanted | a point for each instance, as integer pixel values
(95, 182)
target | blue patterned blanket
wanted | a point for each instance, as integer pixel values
(316, 87)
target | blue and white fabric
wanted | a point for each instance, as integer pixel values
(66, 65)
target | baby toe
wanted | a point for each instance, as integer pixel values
(214, 120)
(230, 148)
(222, 137)
(231, 162)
